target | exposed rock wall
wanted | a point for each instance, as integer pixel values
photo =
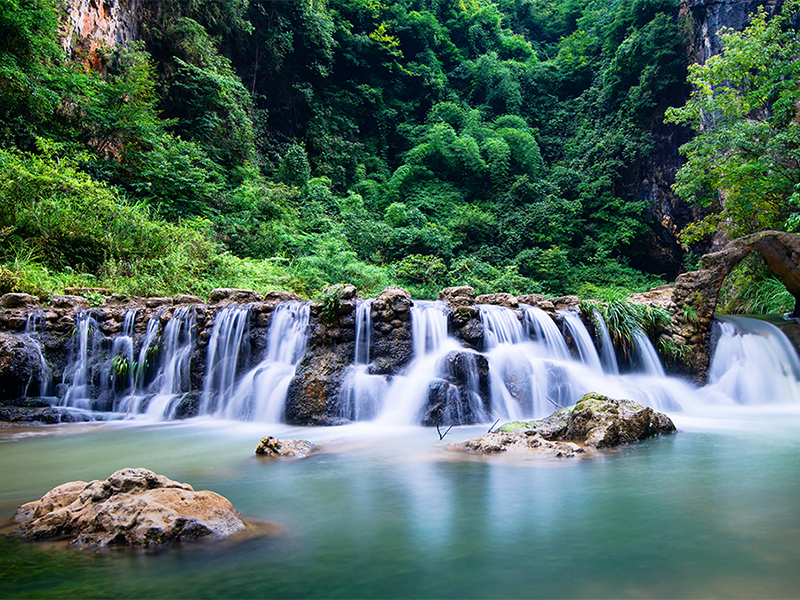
(92, 25)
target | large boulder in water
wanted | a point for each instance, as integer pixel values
(21, 366)
(462, 395)
(133, 507)
(285, 448)
(594, 422)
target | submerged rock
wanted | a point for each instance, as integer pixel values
(289, 448)
(594, 422)
(133, 507)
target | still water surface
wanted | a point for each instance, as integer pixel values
(392, 513)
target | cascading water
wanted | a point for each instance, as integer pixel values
(540, 327)
(608, 357)
(583, 341)
(228, 350)
(261, 394)
(171, 353)
(361, 394)
(501, 326)
(82, 355)
(119, 374)
(34, 325)
(408, 394)
(753, 363)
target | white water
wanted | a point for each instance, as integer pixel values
(361, 394)
(261, 393)
(583, 341)
(228, 350)
(531, 371)
(34, 324)
(172, 378)
(77, 374)
(754, 363)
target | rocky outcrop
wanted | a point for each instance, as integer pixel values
(595, 422)
(21, 367)
(288, 448)
(96, 25)
(692, 300)
(391, 348)
(462, 396)
(133, 507)
(313, 395)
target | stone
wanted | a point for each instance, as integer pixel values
(531, 299)
(499, 299)
(68, 301)
(461, 393)
(565, 302)
(21, 367)
(287, 448)
(393, 303)
(187, 299)
(462, 295)
(18, 300)
(133, 507)
(156, 302)
(595, 422)
(234, 295)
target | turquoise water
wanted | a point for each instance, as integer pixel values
(709, 512)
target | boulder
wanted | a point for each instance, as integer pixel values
(187, 299)
(565, 302)
(21, 367)
(595, 422)
(18, 300)
(133, 507)
(499, 299)
(234, 295)
(462, 295)
(462, 395)
(288, 448)
(68, 301)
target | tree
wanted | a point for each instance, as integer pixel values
(745, 161)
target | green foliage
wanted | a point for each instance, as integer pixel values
(746, 156)
(752, 288)
(624, 317)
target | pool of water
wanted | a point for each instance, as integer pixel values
(387, 513)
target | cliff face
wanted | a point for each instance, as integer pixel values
(90, 25)
(656, 172)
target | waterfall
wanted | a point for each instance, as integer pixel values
(227, 353)
(171, 357)
(361, 394)
(428, 327)
(583, 341)
(408, 394)
(753, 363)
(608, 356)
(82, 354)
(34, 324)
(119, 373)
(261, 393)
(646, 355)
(540, 326)
(501, 326)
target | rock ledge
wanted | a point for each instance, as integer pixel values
(594, 422)
(133, 507)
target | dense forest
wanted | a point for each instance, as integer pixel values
(424, 143)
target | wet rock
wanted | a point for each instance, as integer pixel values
(462, 396)
(313, 395)
(68, 301)
(186, 299)
(20, 365)
(391, 347)
(188, 406)
(565, 302)
(18, 300)
(462, 295)
(233, 295)
(156, 302)
(133, 507)
(594, 422)
(288, 448)
(499, 299)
